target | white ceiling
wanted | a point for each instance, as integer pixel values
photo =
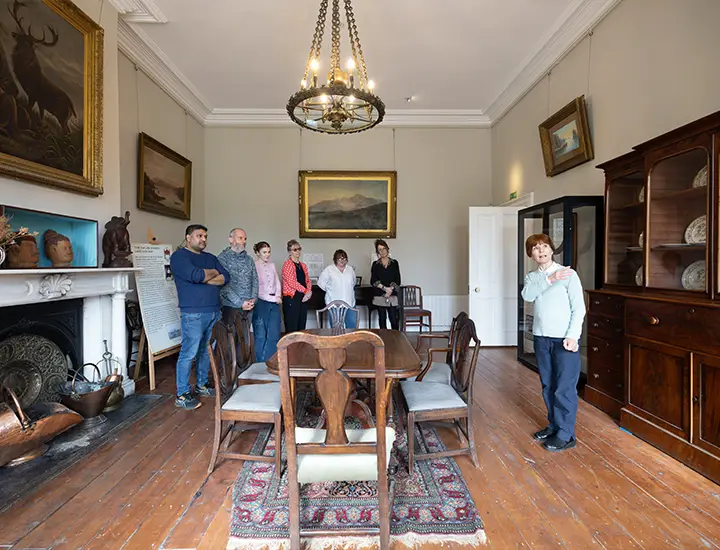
(240, 61)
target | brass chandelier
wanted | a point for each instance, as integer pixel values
(338, 107)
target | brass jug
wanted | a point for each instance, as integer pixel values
(117, 394)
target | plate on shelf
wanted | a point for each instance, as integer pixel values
(639, 276)
(676, 245)
(693, 278)
(641, 239)
(695, 232)
(641, 196)
(701, 178)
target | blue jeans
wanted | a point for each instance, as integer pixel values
(350, 319)
(266, 329)
(559, 373)
(196, 329)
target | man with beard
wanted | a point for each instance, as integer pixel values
(198, 277)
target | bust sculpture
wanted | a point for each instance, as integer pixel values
(116, 242)
(58, 248)
(24, 254)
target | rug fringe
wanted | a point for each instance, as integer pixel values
(410, 540)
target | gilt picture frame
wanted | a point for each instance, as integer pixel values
(345, 204)
(51, 95)
(565, 138)
(164, 179)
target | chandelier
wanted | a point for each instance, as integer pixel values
(338, 107)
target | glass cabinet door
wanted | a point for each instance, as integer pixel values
(626, 229)
(678, 201)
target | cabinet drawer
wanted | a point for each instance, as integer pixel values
(608, 353)
(683, 325)
(607, 380)
(601, 326)
(607, 304)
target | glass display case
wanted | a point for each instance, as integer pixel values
(575, 224)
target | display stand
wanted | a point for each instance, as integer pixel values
(152, 357)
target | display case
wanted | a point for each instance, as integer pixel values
(82, 233)
(575, 224)
(654, 327)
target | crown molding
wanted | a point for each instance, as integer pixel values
(575, 24)
(394, 117)
(139, 11)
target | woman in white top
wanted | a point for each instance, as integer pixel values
(338, 282)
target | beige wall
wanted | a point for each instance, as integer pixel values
(144, 107)
(251, 181)
(102, 208)
(649, 67)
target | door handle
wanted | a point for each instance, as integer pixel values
(477, 289)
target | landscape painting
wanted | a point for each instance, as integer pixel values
(347, 204)
(565, 138)
(164, 179)
(51, 94)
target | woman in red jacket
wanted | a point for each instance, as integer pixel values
(296, 289)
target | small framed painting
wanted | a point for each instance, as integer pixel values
(164, 179)
(565, 138)
(348, 204)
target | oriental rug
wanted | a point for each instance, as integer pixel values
(433, 505)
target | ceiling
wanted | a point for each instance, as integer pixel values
(240, 61)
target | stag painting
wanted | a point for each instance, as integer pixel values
(42, 86)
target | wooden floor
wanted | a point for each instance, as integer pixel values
(147, 488)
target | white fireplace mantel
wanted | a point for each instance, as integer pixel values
(103, 292)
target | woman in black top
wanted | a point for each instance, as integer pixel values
(385, 277)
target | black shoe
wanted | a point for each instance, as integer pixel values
(555, 444)
(187, 401)
(204, 391)
(543, 434)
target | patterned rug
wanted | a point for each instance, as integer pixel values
(433, 505)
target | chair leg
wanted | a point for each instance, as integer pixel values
(278, 445)
(216, 445)
(471, 436)
(411, 442)
(294, 515)
(229, 437)
(430, 322)
(384, 512)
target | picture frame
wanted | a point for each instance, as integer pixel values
(63, 147)
(565, 138)
(347, 204)
(164, 179)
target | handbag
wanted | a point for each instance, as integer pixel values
(382, 301)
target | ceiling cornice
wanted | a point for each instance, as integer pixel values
(577, 22)
(395, 118)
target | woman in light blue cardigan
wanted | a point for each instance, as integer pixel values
(559, 311)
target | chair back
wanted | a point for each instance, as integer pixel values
(333, 387)
(410, 297)
(337, 312)
(244, 348)
(455, 325)
(465, 356)
(221, 350)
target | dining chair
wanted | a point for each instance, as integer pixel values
(412, 311)
(336, 453)
(337, 312)
(445, 403)
(438, 371)
(250, 371)
(241, 408)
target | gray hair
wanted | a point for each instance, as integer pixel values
(232, 231)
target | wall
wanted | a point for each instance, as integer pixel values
(649, 67)
(251, 182)
(144, 107)
(102, 208)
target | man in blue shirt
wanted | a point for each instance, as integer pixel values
(198, 277)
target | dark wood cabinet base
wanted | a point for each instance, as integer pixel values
(603, 402)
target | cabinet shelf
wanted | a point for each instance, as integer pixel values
(683, 194)
(679, 246)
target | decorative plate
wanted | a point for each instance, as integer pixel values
(641, 239)
(639, 276)
(701, 178)
(25, 380)
(693, 278)
(695, 232)
(641, 196)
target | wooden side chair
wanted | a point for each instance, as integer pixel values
(337, 312)
(241, 407)
(438, 371)
(336, 453)
(250, 371)
(412, 311)
(446, 403)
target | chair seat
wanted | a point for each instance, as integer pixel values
(258, 371)
(438, 373)
(429, 396)
(416, 312)
(316, 468)
(255, 398)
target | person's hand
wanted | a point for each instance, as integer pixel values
(570, 344)
(388, 291)
(248, 305)
(307, 296)
(278, 299)
(210, 274)
(560, 275)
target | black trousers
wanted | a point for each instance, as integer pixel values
(392, 312)
(295, 312)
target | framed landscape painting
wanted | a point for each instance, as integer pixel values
(565, 138)
(348, 204)
(51, 77)
(164, 179)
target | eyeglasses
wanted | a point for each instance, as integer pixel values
(298, 249)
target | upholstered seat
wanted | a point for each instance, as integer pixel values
(439, 373)
(429, 396)
(259, 398)
(316, 468)
(259, 372)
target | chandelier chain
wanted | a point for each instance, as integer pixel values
(355, 39)
(317, 37)
(335, 49)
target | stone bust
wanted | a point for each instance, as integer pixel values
(24, 254)
(58, 249)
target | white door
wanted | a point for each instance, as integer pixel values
(493, 274)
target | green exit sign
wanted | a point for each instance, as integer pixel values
(513, 195)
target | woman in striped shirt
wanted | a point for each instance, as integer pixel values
(296, 289)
